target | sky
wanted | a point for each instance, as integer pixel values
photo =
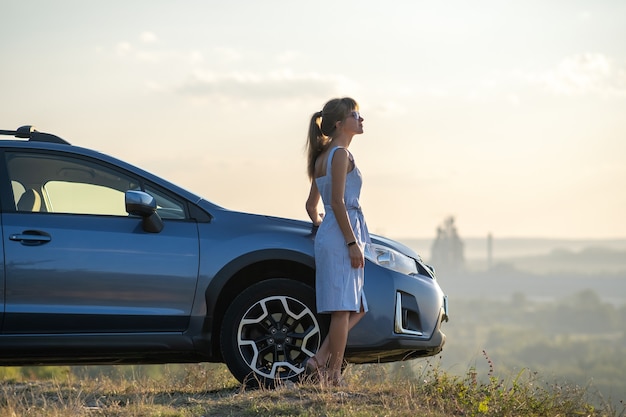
(509, 116)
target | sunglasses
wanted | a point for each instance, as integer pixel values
(356, 115)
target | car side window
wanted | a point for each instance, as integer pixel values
(59, 184)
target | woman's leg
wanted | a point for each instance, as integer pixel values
(332, 350)
(338, 337)
(322, 353)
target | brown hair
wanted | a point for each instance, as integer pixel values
(322, 127)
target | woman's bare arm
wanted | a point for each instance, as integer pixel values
(312, 204)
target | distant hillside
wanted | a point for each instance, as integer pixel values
(507, 248)
(544, 268)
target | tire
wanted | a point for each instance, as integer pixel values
(269, 330)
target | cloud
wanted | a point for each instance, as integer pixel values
(148, 37)
(288, 56)
(282, 84)
(126, 49)
(391, 109)
(513, 99)
(224, 54)
(202, 82)
(123, 48)
(148, 50)
(584, 74)
(139, 52)
(195, 57)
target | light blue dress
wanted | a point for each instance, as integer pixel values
(339, 287)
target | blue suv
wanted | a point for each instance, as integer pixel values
(105, 263)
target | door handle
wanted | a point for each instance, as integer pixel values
(31, 237)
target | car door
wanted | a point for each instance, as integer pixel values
(1, 280)
(76, 262)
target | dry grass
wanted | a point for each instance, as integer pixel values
(374, 390)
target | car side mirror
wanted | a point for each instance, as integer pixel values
(139, 203)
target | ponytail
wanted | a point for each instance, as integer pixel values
(316, 143)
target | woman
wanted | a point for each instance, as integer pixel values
(341, 237)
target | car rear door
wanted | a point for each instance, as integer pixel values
(77, 263)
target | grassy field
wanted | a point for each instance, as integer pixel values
(372, 390)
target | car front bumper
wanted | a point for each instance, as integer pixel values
(404, 318)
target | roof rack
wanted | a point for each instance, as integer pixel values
(30, 133)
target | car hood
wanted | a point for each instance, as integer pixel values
(381, 240)
(304, 227)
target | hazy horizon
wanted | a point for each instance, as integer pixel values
(506, 248)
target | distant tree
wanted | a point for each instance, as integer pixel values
(447, 251)
(518, 299)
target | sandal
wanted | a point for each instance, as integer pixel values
(339, 382)
(312, 369)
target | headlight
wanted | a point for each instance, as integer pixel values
(391, 259)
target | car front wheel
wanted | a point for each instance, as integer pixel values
(269, 330)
